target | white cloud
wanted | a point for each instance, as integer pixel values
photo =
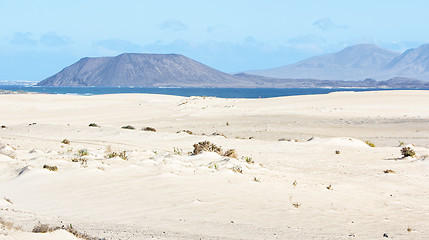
(20, 38)
(326, 24)
(172, 25)
(53, 39)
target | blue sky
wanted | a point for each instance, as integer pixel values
(39, 38)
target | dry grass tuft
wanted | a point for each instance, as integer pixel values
(230, 153)
(44, 228)
(186, 131)
(128, 127)
(50, 168)
(207, 146)
(65, 141)
(237, 169)
(8, 200)
(388, 171)
(296, 204)
(371, 144)
(407, 152)
(122, 155)
(149, 129)
(93, 125)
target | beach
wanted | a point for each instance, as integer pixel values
(303, 167)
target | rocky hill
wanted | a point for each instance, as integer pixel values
(142, 70)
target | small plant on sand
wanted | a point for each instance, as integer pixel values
(83, 152)
(337, 152)
(214, 165)
(408, 152)
(177, 151)
(296, 204)
(122, 155)
(65, 141)
(3, 126)
(207, 146)
(388, 171)
(149, 129)
(230, 153)
(294, 183)
(8, 200)
(401, 143)
(50, 168)
(329, 187)
(186, 131)
(249, 160)
(255, 179)
(42, 228)
(93, 125)
(370, 143)
(237, 169)
(129, 127)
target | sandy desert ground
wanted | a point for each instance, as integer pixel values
(302, 168)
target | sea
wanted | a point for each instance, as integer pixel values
(187, 92)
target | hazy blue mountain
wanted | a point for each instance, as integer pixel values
(142, 70)
(413, 63)
(357, 62)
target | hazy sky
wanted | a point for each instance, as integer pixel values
(39, 38)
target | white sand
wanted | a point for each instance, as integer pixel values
(162, 192)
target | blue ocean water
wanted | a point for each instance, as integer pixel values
(187, 92)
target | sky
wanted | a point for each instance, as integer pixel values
(40, 38)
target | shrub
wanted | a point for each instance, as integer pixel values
(3, 126)
(249, 160)
(388, 171)
(337, 152)
(83, 152)
(230, 153)
(122, 155)
(370, 143)
(186, 131)
(237, 169)
(149, 129)
(256, 179)
(407, 152)
(177, 151)
(206, 146)
(65, 141)
(219, 134)
(93, 125)
(50, 168)
(296, 205)
(42, 228)
(214, 165)
(129, 127)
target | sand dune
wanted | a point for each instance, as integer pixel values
(332, 186)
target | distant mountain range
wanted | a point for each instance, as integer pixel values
(358, 62)
(355, 66)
